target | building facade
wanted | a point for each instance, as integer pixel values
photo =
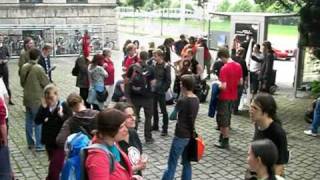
(53, 20)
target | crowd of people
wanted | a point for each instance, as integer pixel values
(116, 150)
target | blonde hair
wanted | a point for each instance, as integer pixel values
(50, 88)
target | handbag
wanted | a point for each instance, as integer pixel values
(195, 147)
(174, 114)
(102, 95)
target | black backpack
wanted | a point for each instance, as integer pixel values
(138, 82)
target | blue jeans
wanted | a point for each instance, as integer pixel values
(316, 118)
(177, 149)
(31, 113)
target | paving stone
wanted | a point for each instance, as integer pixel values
(216, 163)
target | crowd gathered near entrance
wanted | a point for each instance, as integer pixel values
(93, 133)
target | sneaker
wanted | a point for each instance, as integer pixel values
(150, 141)
(310, 133)
(40, 149)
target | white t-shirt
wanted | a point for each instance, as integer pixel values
(4, 94)
(255, 66)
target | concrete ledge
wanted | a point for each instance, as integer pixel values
(7, 5)
(55, 21)
(78, 21)
(31, 21)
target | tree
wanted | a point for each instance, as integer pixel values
(223, 6)
(136, 4)
(288, 5)
(241, 6)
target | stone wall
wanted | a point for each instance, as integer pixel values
(95, 12)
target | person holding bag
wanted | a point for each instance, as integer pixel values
(187, 108)
(97, 75)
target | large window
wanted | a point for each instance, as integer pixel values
(30, 1)
(77, 1)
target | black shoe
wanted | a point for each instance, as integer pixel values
(164, 133)
(150, 141)
(224, 144)
(220, 138)
(155, 128)
(11, 103)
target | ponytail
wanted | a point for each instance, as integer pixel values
(271, 174)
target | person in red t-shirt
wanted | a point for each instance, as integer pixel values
(86, 44)
(109, 67)
(131, 58)
(230, 77)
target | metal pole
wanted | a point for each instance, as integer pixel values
(54, 42)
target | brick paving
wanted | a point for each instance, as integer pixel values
(216, 164)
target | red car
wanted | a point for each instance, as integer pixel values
(283, 54)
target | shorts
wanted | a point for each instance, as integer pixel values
(224, 110)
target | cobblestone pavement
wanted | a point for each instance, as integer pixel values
(216, 164)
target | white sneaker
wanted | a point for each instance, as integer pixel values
(310, 133)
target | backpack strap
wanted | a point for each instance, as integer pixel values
(83, 156)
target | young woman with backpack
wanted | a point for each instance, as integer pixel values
(262, 157)
(111, 129)
(52, 114)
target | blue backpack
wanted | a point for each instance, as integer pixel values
(77, 146)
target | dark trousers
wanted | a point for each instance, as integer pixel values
(254, 82)
(161, 99)
(237, 102)
(147, 105)
(84, 94)
(5, 167)
(4, 73)
(56, 160)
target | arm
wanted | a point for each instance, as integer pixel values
(41, 115)
(75, 70)
(168, 77)
(97, 166)
(64, 133)
(3, 126)
(199, 70)
(254, 58)
(43, 78)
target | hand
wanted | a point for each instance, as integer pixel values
(60, 111)
(137, 177)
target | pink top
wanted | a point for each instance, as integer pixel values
(230, 73)
(129, 61)
(98, 168)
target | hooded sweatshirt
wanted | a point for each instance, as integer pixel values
(84, 121)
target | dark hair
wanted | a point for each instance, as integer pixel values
(240, 52)
(192, 39)
(182, 36)
(144, 55)
(98, 59)
(26, 41)
(267, 44)
(188, 82)
(46, 47)
(109, 121)
(167, 41)
(34, 54)
(124, 49)
(223, 52)
(258, 46)
(267, 151)
(137, 43)
(268, 105)
(158, 52)
(122, 106)
(74, 99)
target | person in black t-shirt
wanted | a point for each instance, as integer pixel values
(187, 108)
(131, 145)
(263, 114)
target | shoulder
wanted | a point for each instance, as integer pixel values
(97, 158)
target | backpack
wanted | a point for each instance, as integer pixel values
(138, 82)
(76, 147)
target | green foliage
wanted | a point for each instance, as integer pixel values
(149, 5)
(285, 5)
(256, 8)
(275, 8)
(223, 6)
(315, 88)
(135, 3)
(241, 6)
